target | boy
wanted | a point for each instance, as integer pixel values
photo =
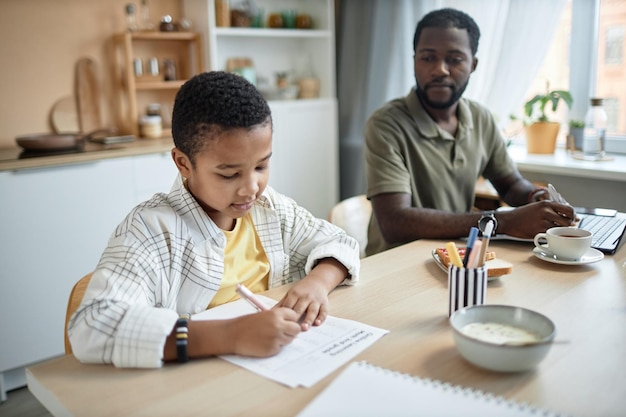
(219, 226)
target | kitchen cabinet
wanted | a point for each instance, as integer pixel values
(134, 55)
(305, 164)
(56, 222)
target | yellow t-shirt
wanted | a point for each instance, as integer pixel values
(245, 262)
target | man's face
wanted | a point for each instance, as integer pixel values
(443, 63)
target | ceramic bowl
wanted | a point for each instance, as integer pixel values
(502, 356)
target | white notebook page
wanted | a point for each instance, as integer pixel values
(365, 390)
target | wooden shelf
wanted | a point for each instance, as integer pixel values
(158, 85)
(185, 48)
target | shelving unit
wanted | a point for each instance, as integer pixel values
(305, 165)
(185, 48)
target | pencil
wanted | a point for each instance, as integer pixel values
(249, 296)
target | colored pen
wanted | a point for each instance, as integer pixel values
(453, 253)
(470, 244)
(249, 296)
(472, 262)
(486, 237)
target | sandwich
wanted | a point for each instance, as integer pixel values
(495, 267)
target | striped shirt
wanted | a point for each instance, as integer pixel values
(167, 258)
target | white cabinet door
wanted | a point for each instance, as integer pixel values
(153, 173)
(304, 162)
(55, 225)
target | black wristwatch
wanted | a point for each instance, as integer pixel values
(488, 216)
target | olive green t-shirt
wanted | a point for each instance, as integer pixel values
(406, 152)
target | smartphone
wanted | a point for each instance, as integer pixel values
(596, 211)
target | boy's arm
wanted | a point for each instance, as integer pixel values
(259, 335)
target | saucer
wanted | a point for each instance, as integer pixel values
(592, 255)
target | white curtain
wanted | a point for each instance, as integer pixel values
(375, 61)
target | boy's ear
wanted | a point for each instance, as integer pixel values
(182, 162)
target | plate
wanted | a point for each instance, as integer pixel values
(592, 255)
(445, 269)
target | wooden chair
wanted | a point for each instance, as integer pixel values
(76, 296)
(353, 215)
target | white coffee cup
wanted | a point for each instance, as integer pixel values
(567, 243)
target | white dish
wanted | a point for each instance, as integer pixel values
(445, 268)
(592, 255)
(497, 356)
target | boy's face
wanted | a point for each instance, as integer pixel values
(230, 173)
(443, 63)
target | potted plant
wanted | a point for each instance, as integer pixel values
(541, 132)
(575, 136)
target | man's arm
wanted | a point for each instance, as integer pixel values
(401, 223)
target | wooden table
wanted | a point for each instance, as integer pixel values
(404, 291)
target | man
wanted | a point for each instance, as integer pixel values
(424, 152)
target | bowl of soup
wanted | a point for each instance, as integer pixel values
(502, 338)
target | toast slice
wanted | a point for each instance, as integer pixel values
(495, 267)
(498, 267)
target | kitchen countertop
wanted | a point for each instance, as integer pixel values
(15, 158)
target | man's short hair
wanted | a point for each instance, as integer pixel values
(449, 18)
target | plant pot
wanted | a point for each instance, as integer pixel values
(541, 137)
(577, 137)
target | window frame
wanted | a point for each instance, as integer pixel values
(583, 58)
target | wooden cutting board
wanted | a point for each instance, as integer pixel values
(63, 116)
(87, 93)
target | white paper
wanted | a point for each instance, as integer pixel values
(311, 356)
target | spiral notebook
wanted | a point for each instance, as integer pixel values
(366, 390)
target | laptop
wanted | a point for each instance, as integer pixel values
(607, 228)
(607, 231)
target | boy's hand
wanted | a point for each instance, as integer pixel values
(309, 296)
(265, 333)
(309, 299)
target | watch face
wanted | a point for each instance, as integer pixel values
(482, 223)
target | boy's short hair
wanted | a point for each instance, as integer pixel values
(449, 18)
(212, 102)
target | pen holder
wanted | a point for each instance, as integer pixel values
(466, 287)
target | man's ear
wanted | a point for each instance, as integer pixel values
(183, 163)
(474, 63)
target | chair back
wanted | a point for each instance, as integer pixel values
(76, 296)
(353, 215)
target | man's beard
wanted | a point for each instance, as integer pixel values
(456, 95)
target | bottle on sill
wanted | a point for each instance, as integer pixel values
(595, 131)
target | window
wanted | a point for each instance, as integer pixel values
(610, 80)
(614, 45)
(598, 70)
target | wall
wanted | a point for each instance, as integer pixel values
(41, 40)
